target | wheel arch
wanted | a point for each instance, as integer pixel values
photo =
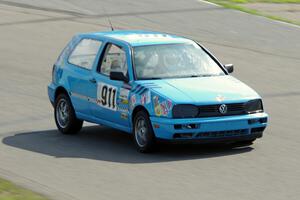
(136, 110)
(60, 90)
(149, 145)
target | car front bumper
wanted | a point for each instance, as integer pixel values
(212, 129)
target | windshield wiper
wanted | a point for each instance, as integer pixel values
(188, 76)
(200, 75)
(150, 78)
(207, 75)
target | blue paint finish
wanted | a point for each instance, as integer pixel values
(51, 92)
(140, 37)
(157, 96)
(166, 128)
(203, 90)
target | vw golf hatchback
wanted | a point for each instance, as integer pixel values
(155, 86)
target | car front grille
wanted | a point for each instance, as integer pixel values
(212, 134)
(213, 110)
(229, 133)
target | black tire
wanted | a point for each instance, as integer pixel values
(71, 125)
(147, 143)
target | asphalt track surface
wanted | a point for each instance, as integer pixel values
(102, 163)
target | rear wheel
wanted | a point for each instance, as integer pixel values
(65, 117)
(144, 137)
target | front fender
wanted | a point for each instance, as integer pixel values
(155, 104)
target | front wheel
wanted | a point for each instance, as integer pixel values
(65, 117)
(144, 137)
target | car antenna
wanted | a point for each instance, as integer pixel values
(108, 19)
(111, 26)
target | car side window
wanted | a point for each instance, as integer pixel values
(84, 53)
(114, 60)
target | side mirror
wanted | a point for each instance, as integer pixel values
(118, 76)
(229, 68)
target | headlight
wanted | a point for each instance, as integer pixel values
(185, 111)
(254, 106)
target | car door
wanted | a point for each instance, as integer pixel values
(112, 96)
(81, 61)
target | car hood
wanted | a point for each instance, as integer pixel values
(202, 90)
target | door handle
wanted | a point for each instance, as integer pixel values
(92, 80)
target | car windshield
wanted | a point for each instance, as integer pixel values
(173, 61)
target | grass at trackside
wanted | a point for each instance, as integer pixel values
(238, 5)
(260, 1)
(9, 191)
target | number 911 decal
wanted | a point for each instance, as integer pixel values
(107, 96)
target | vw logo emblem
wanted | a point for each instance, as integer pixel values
(223, 109)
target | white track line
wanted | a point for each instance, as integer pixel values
(273, 20)
(286, 23)
(207, 2)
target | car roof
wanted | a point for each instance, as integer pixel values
(141, 37)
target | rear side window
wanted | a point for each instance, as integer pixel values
(114, 60)
(84, 53)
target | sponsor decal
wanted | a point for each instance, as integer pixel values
(124, 101)
(123, 108)
(164, 109)
(146, 97)
(124, 115)
(160, 108)
(143, 99)
(169, 104)
(106, 96)
(124, 94)
(132, 101)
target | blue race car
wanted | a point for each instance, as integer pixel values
(155, 86)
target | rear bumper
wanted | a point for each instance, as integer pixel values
(51, 93)
(209, 130)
